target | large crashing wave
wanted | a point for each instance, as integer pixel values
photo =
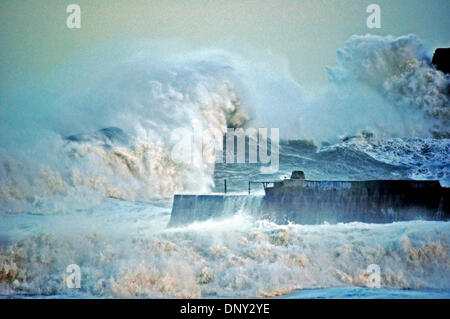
(399, 69)
(385, 85)
(108, 125)
(117, 138)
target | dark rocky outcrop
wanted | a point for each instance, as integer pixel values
(441, 59)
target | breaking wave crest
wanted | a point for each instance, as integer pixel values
(399, 69)
(116, 139)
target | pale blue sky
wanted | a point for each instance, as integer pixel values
(34, 37)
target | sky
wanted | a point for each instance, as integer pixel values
(34, 37)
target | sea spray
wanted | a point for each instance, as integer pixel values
(238, 256)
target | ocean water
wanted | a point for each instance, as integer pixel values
(90, 161)
(125, 250)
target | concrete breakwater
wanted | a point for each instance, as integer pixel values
(314, 202)
(378, 201)
(189, 209)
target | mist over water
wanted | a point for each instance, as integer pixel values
(87, 170)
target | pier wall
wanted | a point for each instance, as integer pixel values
(316, 202)
(188, 209)
(366, 201)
